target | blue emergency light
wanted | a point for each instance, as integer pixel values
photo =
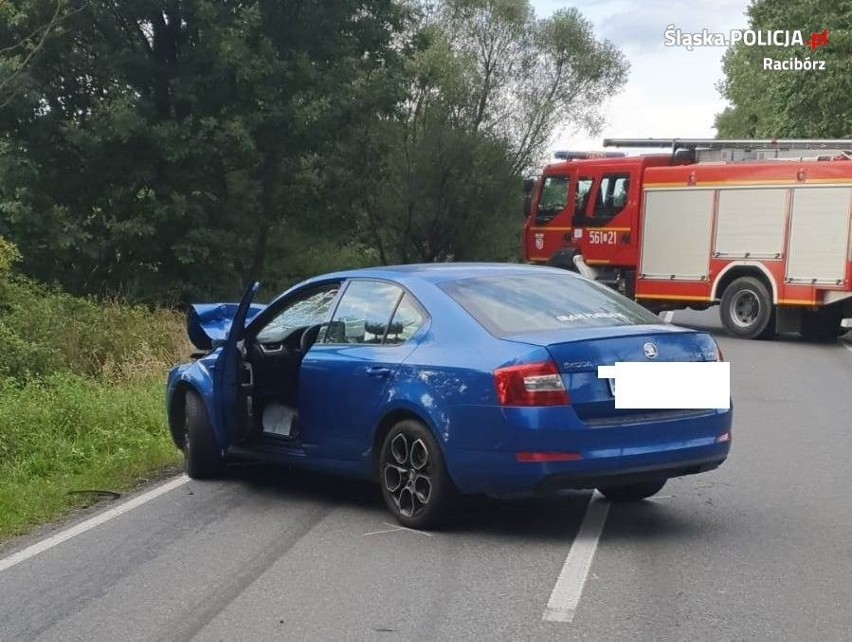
(568, 156)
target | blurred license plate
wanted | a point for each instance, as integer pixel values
(611, 386)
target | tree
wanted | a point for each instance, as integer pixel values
(490, 84)
(157, 145)
(17, 55)
(524, 76)
(446, 193)
(807, 103)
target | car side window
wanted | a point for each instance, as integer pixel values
(363, 314)
(406, 321)
(311, 309)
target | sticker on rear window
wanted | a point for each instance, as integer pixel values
(585, 316)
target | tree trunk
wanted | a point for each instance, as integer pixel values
(267, 212)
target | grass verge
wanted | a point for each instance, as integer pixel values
(68, 433)
(81, 397)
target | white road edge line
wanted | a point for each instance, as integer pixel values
(569, 586)
(89, 524)
(667, 316)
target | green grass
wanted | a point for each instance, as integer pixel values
(82, 386)
(67, 433)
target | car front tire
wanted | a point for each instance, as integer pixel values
(415, 484)
(632, 492)
(202, 457)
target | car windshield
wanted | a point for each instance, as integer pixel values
(534, 302)
(303, 312)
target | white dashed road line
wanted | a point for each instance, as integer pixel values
(89, 524)
(667, 316)
(569, 586)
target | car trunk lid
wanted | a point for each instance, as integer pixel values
(579, 352)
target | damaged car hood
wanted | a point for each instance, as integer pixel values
(207, 324)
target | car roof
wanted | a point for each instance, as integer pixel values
(441, 272)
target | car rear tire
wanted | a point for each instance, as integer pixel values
(202, 457)
(632, 492)
(746, 309)
(415, 484)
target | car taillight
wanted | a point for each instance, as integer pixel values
(719, 355)
(534, 384)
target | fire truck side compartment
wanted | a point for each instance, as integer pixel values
(818, 235)
(676, 234)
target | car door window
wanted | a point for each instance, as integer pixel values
(308, 310)
(364, 312)
(406, 321)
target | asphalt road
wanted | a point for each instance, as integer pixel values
(760, 549)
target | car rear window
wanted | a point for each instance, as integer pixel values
(534, 302)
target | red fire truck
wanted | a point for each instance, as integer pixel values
(762, 228)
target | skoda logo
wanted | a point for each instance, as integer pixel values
(650, 350)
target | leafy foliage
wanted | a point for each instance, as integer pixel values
(167, 150)
(158, 144)
(490, 84)
(791, 104)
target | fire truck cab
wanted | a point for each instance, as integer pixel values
(761, 228)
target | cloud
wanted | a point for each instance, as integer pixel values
(635, 26)
(671, 90)
(639, 113)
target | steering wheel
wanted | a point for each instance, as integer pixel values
(309, 337)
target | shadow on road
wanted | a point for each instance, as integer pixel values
(654, 521)
(792, 337)
(542, 519)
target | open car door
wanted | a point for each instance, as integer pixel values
(231, 380)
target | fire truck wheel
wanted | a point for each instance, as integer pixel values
(746, 310)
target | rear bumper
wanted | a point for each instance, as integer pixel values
(568, 481)
(500, 474)
(481, 455)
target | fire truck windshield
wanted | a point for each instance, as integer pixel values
(554, 197)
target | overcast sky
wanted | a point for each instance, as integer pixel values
(671, 92)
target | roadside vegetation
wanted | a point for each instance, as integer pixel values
(81, 397)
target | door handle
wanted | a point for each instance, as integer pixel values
(378, 371)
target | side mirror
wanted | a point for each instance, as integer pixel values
(529, 185)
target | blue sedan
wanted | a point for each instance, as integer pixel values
(437, 381)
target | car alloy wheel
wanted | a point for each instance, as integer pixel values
(407, 474)
(413, 478)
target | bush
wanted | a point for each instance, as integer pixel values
(107, 340)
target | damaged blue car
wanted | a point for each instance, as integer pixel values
(440, 380)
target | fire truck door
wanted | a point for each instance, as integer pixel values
(608, 231)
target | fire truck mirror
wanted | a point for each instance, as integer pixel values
(529, 184)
